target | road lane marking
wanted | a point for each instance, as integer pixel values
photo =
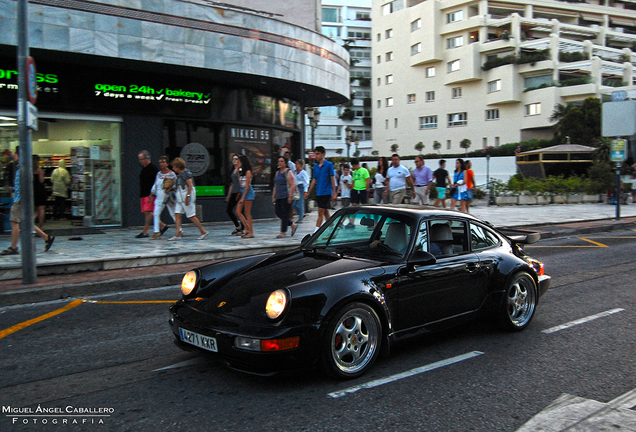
(20, 326)
(127, 302)
(582, 321)
(194, 361)
(407, 374)
(593, 242)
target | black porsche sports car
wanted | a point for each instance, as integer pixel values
(370, 277)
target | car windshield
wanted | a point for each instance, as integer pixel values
(365, 233)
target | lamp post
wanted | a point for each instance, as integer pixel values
(348, 139)
(313, 114)
(491, 199)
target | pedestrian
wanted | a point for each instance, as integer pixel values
(361, 183)
(233, 196)
(15, 215)
(302, 184)
(147, 178)
(185, 200)
(470, 184)
(161, 191)
(40, 195)
(61, 180)
(459, 185)
(246, 198)
(422, 178)
(345, 185)
(290, 163)
(379, 186)
(398, 176)
(324, 180)
(284, 187)
(441, 181)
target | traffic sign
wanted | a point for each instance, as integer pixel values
(618, 150)
(32, 80)
(31, 116)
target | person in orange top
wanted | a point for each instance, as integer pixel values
(470, 184)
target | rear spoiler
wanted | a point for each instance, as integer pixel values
(520, 236)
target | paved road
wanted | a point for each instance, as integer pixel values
(116, 353)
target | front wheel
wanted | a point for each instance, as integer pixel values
(352, 341)
(519, 303)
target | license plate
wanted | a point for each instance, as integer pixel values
(196, 339)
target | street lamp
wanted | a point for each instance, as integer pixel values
(348, 139)
(313, 114)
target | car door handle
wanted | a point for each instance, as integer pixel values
(472, 267)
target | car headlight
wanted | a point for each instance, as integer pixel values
(276, 304)
(189, 282)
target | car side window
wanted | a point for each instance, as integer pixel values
(481, 238)
(395, 234)
(448, 237)
(421, 242)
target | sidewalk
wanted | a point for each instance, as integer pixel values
(116, 261)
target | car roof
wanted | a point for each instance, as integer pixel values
(417, 211)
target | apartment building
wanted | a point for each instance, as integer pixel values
(491, 71)
(348, 22)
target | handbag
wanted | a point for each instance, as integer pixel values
(296, 194)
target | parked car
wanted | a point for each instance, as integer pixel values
(370, 277)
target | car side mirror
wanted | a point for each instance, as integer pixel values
(421, 258)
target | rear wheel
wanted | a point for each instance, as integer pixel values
(352, 341)
(519, 303)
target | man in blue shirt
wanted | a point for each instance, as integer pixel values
(324, 178)
(15, 217)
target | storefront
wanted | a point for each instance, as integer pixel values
(98, 119)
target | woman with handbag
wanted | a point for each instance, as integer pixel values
(459, 183)
(282, 197)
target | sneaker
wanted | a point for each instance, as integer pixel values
(49, 243)
(155, 236)
(203, 236)
(141, 235)
(237, 231)
(294, 227)
(163, 230)
(175, 238)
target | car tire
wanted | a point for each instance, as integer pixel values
(519, 302)
(351, 342)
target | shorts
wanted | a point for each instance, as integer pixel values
(147, 204)
(324, 201)
(469, 194)
(346, 202)
(181, 208)
(359, 196)
(15, 212)
(441, 193)
(249, 196)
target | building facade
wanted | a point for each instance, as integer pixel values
(347, 128)
(491, 71)
(176, 77)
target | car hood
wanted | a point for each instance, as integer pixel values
(244, 296)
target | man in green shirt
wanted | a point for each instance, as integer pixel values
(361, 183)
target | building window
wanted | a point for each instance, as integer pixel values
(430, 72)
(455, 42)
(379, 37)
(357, 34)
(394, 6)
(330, 15)
(395, 123)
(537, 81)
(389, 101)
(453, 66)
(428, 122)
(416, 49)
(484, 142)
(389, 79)
(448, 144)
(492, 114)
(496, 141)
(430, 96)
(363, 16)
(379, 103)
(328, 133)
(457, 92)
(332, 32)
(410, 98)
(454, 16)
(457, 119)
(533, 109)
(494, 86)
(389, 56)
(417, 24)
(379, 81)
(388, 34)
(379, 59)
(386, 123)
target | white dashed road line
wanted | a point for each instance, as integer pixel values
(582, 321)
(407, 374)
